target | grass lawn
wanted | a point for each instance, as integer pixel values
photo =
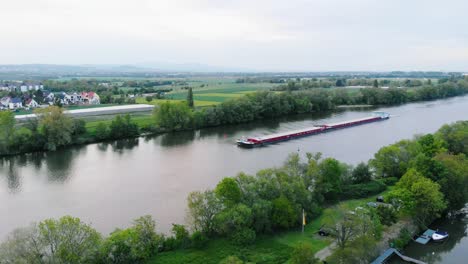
(267, 248)
(142, 120)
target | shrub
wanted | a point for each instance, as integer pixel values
(199, 240)
(243, 237)
(387, 214)
(390, 181)
(403, 238)
(362, 190)
(231, 260)
(303, 254)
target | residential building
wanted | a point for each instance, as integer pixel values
(15, 103)
(31, 103)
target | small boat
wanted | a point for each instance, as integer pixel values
(439, 236)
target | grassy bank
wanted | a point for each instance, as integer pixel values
(275, 248)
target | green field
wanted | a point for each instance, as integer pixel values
(208, 92)
(268, 248)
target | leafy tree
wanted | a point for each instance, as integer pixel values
(199, 240)
(453, 179)
(375, 84)
(419, 196)
(55, 126)
(7, 125)
(455, 136)
(149, 98)
(362, 251)
(235, 222)
(122, 127)
(228, 191)
(329, 178)
(283, 214)
(387, 214)
(102, 131)
(361, 173)
(79, 127)
(190, 98)
(393, 160)
(134, 244)
(173, 116)
(202, 209)
(303, 253)
(181, 235)
(66, 240)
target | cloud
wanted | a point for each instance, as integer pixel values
(265, 35)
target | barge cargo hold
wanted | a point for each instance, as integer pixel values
(269, 139)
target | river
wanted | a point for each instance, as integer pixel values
(109, 184)
(451, 251)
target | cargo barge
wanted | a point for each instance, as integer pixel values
(269, 139)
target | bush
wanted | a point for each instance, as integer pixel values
(199, 240)
(362, 190)
(403, 238)
(231, 260)
(303, 254)
(244, 237)
(390, 181)
(387, 214)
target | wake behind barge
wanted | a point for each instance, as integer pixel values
(251, 142)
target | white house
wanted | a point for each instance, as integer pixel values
(15, 103)
(5, 101)
(90, 98)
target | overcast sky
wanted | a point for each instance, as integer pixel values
(267, 35)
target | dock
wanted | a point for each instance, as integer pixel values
(425, 237)
(390, 252)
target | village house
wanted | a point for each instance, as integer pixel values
(90, 98)
(5, 102)
(15, 103)
(31, 103)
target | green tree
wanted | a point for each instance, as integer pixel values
(361, 173)
(149, 98)
(228, 191)
(134, 244)
(303, 253)
(7, 128)
(202, 209)
(68, 240)
(190, 98)
(173, 116)
(419, 197)
(453, 180)
(122, 127)
(375, 84)
(328, 182)
(56, 127)
(101, 131)
(283, 214)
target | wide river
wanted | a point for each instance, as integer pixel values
(109, 184)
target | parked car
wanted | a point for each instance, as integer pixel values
(324, 231)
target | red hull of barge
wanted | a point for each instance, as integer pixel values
(259, 141)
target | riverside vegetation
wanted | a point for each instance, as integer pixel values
(255, 218)
(52, 130)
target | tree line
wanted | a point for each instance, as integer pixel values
(175, 116)
(268, 104)
(52, 129)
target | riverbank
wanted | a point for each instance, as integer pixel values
(177, 116)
